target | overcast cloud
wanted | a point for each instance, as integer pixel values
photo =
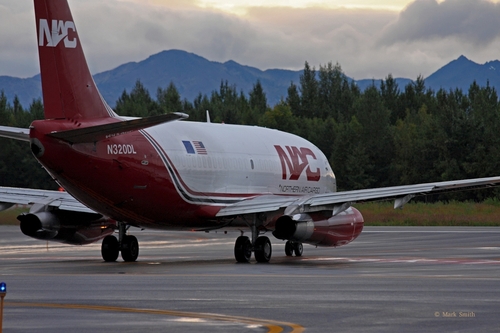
(367, 43)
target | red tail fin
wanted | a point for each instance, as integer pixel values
(68, 88)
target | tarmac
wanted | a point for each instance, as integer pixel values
(391, 279)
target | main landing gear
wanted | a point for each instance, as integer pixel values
(243, 249)
(292, 247)
(260, 245)
(126, 244)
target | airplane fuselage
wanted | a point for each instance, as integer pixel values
(179, 174)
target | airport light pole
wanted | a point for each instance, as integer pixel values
(3, 292)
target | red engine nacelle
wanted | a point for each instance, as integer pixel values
(318, 229)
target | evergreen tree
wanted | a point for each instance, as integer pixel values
(390, 94)
(280, 117)
(224, 104)
(138, 103)
(201, 105)
(330, 83)
(293, 99)
(257, 105)
(5, 112)
(416, 148)
(308, 92)
(36, 109)
(169, 100)
(350, 159)
(376, 136)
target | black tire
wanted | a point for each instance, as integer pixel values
(242, 249)
(298, 248)
(130, 248)
(263, 249)
(289, 248)
(110, 248)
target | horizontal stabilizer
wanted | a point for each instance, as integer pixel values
(17, 133)
(99, 132)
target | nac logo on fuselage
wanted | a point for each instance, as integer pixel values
(295, 161)
(56, 33)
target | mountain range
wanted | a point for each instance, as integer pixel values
(193, 75)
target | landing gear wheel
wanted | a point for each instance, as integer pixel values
(289, 248)
(263, 249)
(130, 248)
(110, 248)
(243, 249)
(298, 249)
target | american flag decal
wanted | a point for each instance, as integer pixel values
(200, 148)
(195, 147)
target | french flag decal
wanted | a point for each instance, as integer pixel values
(195, 147)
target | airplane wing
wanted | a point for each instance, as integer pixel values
(17, 133)
(62, 200)
(337, 201)
(340, 201)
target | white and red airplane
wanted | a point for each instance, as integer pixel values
(160, 172)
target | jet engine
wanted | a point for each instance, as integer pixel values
(76, 228)
(320, 228)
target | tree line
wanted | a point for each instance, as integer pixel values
(382, 136)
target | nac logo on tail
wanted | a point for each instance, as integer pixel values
(295, 160)
(56, 33)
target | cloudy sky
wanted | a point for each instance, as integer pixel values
(368, 38)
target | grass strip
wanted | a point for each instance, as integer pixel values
(452, 213)
(9, 216)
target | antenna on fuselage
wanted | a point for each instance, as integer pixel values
(208, 117)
